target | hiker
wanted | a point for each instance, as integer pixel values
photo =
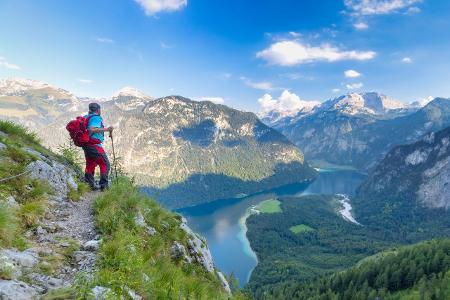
(95, 154)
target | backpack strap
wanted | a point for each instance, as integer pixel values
(87, 123)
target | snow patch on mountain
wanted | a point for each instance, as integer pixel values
(129, 91)
(17, 86)
(362, 103)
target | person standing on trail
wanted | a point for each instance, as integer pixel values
(95, 154)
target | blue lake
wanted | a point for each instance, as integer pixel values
(222, 222)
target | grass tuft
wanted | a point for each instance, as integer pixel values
(18, 131)
(9, 226)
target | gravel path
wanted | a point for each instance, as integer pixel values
(67, 235)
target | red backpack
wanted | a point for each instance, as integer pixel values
(78, 130)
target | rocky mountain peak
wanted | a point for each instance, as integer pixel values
(130, 92)
(129, 98)
(18, 86)
(363, 103)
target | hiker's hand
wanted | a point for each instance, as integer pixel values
(110, 129)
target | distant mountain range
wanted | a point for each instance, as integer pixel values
(186, 152)
(359, 129)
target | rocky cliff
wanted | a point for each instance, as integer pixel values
(408, 192)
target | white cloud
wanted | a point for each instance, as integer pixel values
(152, 7)
(105, 40)
(4, 63)
(413, 10)
(354, 86)
(262, 85)
(289, 53)
(378, 7)
(361, 26)
(336, 90)
(86, 81)
(295, 34)
(287, 104)
(407, 60)
(352, 74)
(217, 100)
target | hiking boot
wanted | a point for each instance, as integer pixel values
(89, 179)
(103, 182)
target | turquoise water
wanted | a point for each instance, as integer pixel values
(222, 222)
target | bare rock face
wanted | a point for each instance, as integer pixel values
(17, 290)
(178, 252)
(57, 175)
(199, 250)
(417, 172)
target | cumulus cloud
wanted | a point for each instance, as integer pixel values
(5, 64)
(261, 85)
(293, 52)
(354, 86)
(406, 60)
(86, 81)
(378, 7)
(361, 26)
(217, 100)
(152, 7)
(352, 74)
(105, 40)
(287, 104)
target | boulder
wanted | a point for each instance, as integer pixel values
(11, 201)
(92, 245)
(101, 293)
(17, 290)
(140, 221)
(57, 175)
(2, 146)
(22, 259)
(178, 251)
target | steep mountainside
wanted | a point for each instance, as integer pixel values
(187, 152)
(358, 130)
(410, 189)
(58, 241)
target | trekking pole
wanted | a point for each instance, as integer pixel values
(114, 155)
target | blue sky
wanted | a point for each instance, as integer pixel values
(235, 50)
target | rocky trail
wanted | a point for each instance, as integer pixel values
(62, 246)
